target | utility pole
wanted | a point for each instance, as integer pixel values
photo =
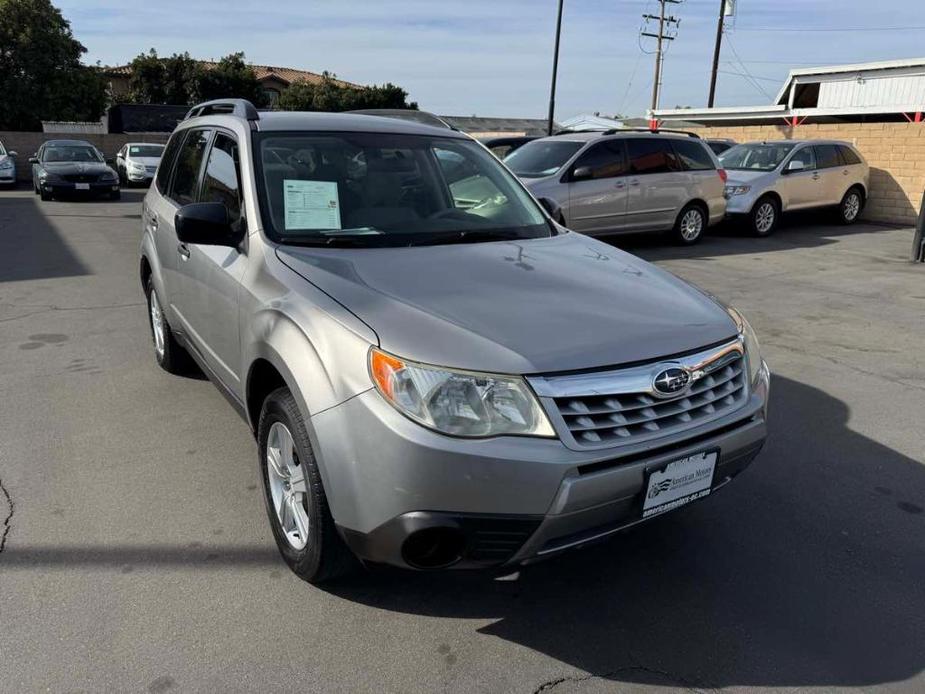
(555, 70)
(719, 45)
(664, 26)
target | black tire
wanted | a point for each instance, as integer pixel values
(174, 359)
(851, 206)
(115, 195)
(44, 195)
(325, 557)
(764, 217)
(35, 188)
(690, 225)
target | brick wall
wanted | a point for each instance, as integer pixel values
(895, 152)
(25, 144)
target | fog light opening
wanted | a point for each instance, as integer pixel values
(433, 548)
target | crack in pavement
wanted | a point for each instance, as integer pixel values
(552, 684)
(8, 521)
(46, 308)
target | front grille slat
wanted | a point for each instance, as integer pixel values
(601, 418)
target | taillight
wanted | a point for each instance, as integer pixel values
(723, 175)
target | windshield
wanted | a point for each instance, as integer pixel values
(541, 157)
(55, 153)
(2, 151)
(373, 189)
(145, 150)
(755, 157)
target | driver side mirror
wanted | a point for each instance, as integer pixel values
(33, 159)
(581, 173)
(206, 223)
(794, 166)
(13, 153)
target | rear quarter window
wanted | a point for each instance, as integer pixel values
(849, 156)
(693, 155)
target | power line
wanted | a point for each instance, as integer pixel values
(832, 29)
(746, 70)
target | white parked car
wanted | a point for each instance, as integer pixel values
(137, 162)
(769, 178)
(7, 166)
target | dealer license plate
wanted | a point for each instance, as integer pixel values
(682, 482)
(82, 186)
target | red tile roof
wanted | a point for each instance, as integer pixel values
(287, 75)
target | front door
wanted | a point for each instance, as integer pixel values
(215, 272)
(597, 188)
(803, 188)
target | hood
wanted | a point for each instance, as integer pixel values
(76, 167)
(145, 161)
(746, 176)
(536, 306)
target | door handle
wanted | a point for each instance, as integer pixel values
(634, 182)
(845, 172)
(620, 185)
(183, 250)
(815, 177)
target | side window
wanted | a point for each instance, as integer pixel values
(693, 155)
(806, 156)
(827, 156)
(167, 160)
(849, 156)
(221, 183)
(189, 164)
(651, 155)
(605, 159)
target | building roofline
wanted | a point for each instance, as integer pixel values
(842, 69)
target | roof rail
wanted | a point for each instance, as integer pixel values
(413, 115)
(615, 131)
(242, 108)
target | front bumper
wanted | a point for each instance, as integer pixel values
(95, 188)
(393, 485)
(740, 204)
(139, 177)
(7, 176)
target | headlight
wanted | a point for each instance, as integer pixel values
(137, 168)
(6, 164)
(47, 177)
(752, 348)
(459, 403)
(110, 176)
(737, 190)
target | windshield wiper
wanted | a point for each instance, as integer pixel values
(468, 236)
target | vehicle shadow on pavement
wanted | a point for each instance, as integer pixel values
(30, 247)
(807, 571)
(810, 229)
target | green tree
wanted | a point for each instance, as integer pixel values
(231, 77)
(41, 76)
(328, 94)
(157, 80)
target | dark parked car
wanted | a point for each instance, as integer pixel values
(72, 166)
(502, 146)
(720, 145)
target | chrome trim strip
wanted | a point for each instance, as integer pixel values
(638, 379)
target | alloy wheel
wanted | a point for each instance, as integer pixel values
(157, 325)
(288, 485)
(852, 207)
(764, 217)
(691, 225)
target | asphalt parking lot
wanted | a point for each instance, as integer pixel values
(136, 555)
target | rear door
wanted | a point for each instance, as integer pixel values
(853, 171)
(831, 171)
(658, 188)
(184, 189)
(802, 188)
(157, 214)
(597, 196)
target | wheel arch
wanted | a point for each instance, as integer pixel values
(774, 195)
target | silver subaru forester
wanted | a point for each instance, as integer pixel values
(437, 374)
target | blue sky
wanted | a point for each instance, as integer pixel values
(493, 57)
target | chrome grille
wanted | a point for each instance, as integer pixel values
(622, 407)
